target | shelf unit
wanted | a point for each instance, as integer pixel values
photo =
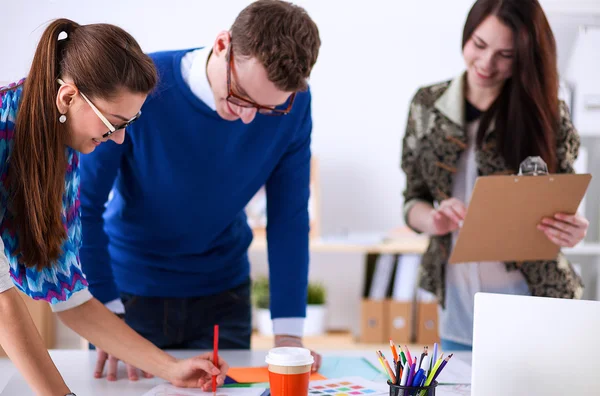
(413, 244)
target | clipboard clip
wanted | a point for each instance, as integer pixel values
(533, 166)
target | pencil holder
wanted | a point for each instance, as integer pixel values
(398, 390)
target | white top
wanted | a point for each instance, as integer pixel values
(464, 280)
(193, 71)
(5, 280)
(76, 299)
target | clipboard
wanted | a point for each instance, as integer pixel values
(504, 211)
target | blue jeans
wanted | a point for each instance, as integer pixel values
(452, 346)
(188, 323)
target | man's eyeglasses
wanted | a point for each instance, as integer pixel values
(243, 102)
(111, 128)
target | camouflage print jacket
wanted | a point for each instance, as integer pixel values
(434, 140)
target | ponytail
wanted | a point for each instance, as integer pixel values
(99, 59)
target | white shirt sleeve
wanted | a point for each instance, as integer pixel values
(115, 306)
(289, 326)
(5, 279)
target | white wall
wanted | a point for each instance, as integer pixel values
(374, 56)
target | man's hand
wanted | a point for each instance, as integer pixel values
(292, 341)
(113, 362)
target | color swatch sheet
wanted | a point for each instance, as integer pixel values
(348, 386)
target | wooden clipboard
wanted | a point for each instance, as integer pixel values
(504, 211)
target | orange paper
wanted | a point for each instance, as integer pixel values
(252, 375)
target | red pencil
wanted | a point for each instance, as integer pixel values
(215, 358)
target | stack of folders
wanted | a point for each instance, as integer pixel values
(393, 305)
(398, 273)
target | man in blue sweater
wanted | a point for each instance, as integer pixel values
(169, 249)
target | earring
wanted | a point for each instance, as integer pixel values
(62, 119)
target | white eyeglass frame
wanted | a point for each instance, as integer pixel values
(111, 128)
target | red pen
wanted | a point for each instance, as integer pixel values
(215, 358)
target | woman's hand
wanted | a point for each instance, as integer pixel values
(448, 216)
(197, 372)
(565, 230)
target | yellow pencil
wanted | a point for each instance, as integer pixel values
(434, 370)
(381, 361)
(432, 374)
(389, 369)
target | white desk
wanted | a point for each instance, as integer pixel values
(77, 368)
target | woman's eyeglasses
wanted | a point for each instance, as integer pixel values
(111, 128)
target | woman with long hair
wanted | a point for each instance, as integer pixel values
(83, 90)
(503, 109)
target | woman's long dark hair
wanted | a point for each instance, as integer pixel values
(526, 112)
(100, 59)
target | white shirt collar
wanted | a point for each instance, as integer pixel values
(193, 71)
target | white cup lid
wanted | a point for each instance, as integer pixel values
(289, 357)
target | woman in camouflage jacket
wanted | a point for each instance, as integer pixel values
(504, 108)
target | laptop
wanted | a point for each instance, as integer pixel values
(532, 346)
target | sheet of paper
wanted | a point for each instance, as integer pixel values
(455, 372)
(406, 277)
(348, 386)
(336, 367)
(170, 390)
(453, 390)
(384, 268)
(425, 296)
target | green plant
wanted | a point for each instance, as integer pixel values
(316, 294)
(260, 293)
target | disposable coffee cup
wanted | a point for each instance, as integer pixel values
(289, 371)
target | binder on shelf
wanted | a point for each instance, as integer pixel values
(427, 318)
(373, 310)
(401, 312)
(387, 308)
